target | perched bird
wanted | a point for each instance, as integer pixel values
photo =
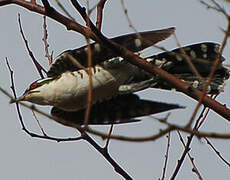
(114, 80)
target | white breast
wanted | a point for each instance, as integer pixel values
(70, 91)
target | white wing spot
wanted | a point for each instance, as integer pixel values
(195, 84)
(193, 54)
(221, 88)
(216, 48)
(168, 63)
(137, 42)
(120, 59)
(204, 48)
(86, 49)
(159, 62)
(149, 59)
(97, 47)
(205, 56)
(209, 89)
(179, 57)
(124, 88)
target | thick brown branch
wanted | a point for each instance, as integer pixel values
(134, 59)
(70, 25)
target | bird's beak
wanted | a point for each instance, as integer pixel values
(17, 99)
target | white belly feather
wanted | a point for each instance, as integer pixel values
(70, 91)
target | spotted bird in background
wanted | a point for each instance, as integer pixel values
(114, 80)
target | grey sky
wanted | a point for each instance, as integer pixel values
(26, 158)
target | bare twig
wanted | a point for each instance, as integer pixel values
(132, 58)
(32, 108)
(186, 147)
(52, 13)
(108, 139)
(105, 154)
(90, 91)
(216, 6)
(50, 59)
(188, 59)
(37, 65)
(195, 169)
(136, 60)
(217, 152)
(100, 7)
(205, 114)
(211, 74)
(171, 127)
(127, 17)
(39, 124)
(65, 10)
(166, 157)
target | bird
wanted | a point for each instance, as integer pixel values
(115, 80)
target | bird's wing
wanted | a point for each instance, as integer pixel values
(73, 60)
(202, 56)
(121, 109)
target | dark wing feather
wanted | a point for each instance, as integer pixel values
(202, 58)
(202, 55)
(76, 59)
(121, 109)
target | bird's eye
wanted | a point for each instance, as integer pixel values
(33, 86)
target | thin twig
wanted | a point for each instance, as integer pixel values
(207, 110)
(217, 7)
(136, 60)
(125, 10)
(195, 169)
(132, 58)
(166, 157)
(50, 58)
(32, 108)
(39, 124)
(171, 127)
(105, 154)
(65, 10)
(217, 152)
(108, 139)
(90, 91)
(37, 65)
(187, 147)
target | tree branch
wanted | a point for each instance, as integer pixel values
(120, 51)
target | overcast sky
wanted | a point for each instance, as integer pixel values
(26, 158)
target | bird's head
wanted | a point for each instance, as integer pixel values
(36, 93)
